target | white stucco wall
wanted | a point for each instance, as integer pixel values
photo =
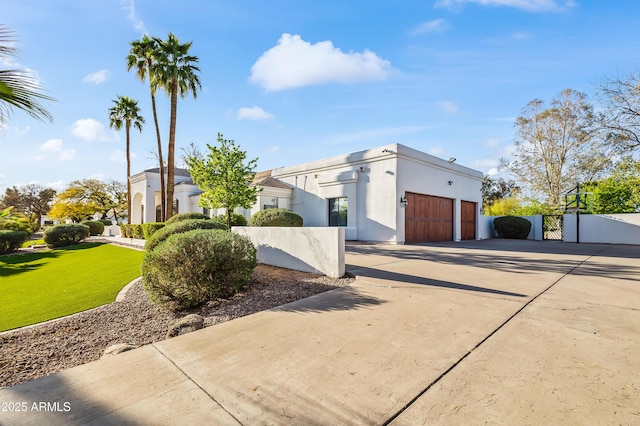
(426, 174)
(373, 181)
(610, 229)
(317, 250)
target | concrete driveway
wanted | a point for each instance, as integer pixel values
(498, 332)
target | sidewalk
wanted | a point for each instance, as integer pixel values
(450, 334)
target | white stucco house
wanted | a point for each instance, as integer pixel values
(391, 193)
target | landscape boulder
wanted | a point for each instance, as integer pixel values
(186, 325)
(117, 349)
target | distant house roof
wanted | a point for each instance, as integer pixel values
(264, 179)
(177, 171)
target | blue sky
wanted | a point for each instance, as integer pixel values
(297, 80)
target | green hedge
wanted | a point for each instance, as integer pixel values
(236, 219)
(96, 227)
(65, 235)
(276, 217)
(125, 231)
(18, 224)
(150, 228)
(186, 216)
(179, 227)
(11, 241)
(512, 227)
(198, 266)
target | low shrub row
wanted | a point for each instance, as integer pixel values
(178, 227)
(194, 267)
(65, 235)
(512, 227)
(276, 217)
(11, 240)
(96, 227)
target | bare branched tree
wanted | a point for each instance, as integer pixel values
(557, 147)
(621, 117)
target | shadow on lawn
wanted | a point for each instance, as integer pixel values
(24, 262)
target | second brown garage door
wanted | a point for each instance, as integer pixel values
(428, 219)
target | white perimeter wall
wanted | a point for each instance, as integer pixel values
(317, 250)
(608, 229)
(600, 228)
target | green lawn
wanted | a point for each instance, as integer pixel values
(49, 284)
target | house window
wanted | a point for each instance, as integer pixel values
(338, 208)
(206, 211)
(158, 213)
(269, 206)
(176, 207)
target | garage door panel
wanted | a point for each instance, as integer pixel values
(468, 220)
(431, 220)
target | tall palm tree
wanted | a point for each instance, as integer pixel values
(174, 71)
(125, 111)
(19, 88)
(141, 57)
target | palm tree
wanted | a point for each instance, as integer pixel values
(19, 88)
(174, 70)
(141, 57)
(125, 111)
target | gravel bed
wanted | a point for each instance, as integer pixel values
(37, 351)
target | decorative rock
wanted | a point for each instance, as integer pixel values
(186, 325)
(117, 349)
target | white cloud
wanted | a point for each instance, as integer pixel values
(253, 113)
(274, 148)
(67, 154)
(294, 62)
(435, 26)
(526, 5)
(52, 145)
(493, 171)
(448, 107)
(89, 129)
(521, 35)
(98, 77)
(486, 163)
(492, 142)
(58, 185)
(130, 7)
(119, 156)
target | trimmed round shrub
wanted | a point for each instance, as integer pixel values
(198, 266)
(179, 227)
(276, 217)
(136, 231)
(96, 227)
(106, 222)
(11, 241)
(125, 231)
(186, 216)
(17, 223)
(65, 235)
(512, 227)
(150, 228)
(236, 219)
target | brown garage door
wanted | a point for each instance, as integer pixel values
(468, 219)
(428, 219)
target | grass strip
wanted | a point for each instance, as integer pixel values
(44, 285)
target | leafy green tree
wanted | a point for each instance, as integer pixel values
(19, 88)
(619, 192)
(32, 200)
(125, 112)
(142, 58)
(558, 146)
(496, 189)
(84, 198)
(223, 176)
(174, 71)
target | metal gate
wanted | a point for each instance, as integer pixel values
(552, 227)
